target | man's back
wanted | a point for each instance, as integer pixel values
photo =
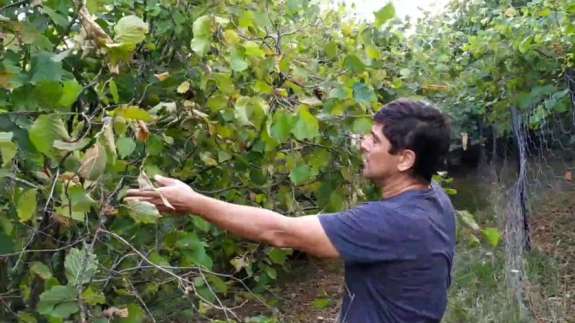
(398, 254)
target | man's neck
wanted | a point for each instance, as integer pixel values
(401, 184)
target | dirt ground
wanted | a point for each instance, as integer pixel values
(317, 294)
(553, 234)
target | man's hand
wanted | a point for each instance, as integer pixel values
(178, 194)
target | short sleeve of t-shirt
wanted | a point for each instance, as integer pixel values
(373, 232)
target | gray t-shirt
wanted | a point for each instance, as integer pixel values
(398, 255)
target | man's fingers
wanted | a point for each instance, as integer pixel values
(139, 199)
(165, 181)
(139, 192)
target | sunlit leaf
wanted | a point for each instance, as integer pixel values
(45, 130)
(130, 29)
(492, 235)
(384, 14)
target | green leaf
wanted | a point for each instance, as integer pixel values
(71, 146)
(363, 94)
(201, 224)
(362, 125)
(384, 14)
(142, 212)
(57, 18)
(242, 111)
(70, 92)
(8, 150)
(321, 303)
(126, 146)
(217, 102)
(79, 198)
(130, 30)
(262, 87)
(238, 63)
(45, 130)
(271, 272)
(353, 64)
(135, 315)
(81, 265)
(253, 50)
(6, 137)
(200, 45)
(94, 162)
(218, 284)
(189, 240)
(26, 205)
(331, 50)
(93, 297)
(44, 68)
(250, 111)
(47, 93)
(302, 174)
(58, 296)
(247, 19)
(306, 126)
(133, 113)
(282, 126)
(114, 91)
(64, 310)
(231, 37)
(41, 270)
(6, 244)
(202, 27)
(492, 235)
(278, 256)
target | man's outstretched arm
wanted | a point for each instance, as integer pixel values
(303, 233)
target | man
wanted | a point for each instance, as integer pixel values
(397, 251)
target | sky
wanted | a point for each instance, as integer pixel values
(364, 8)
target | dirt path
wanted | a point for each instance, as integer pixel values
(312, 291)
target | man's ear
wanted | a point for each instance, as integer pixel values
(406, 160)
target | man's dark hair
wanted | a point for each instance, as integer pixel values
(420, 127)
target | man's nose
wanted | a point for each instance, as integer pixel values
(363, 144)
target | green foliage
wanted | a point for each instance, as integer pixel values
(250, 102)
(253, 103)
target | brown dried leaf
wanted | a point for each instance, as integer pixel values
(142, 134)
(162, 76)
(115, 312)
(93, 30)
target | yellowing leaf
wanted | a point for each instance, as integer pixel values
(510, 12)
(26, 205)
(133, 113)
(183, 87)
(231, 37)
(492, 235)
